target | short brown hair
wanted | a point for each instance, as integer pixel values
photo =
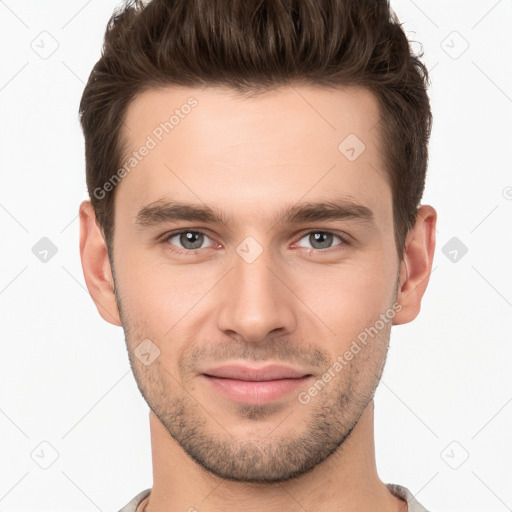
(250, 45)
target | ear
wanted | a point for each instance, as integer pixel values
(96, 266)
(416, 265)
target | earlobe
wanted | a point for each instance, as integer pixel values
(416, 265)
(96, 265)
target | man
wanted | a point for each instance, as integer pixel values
(255, 172)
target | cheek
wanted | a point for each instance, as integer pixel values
(159, 294)
(346, 299)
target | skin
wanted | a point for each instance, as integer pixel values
(251, 158)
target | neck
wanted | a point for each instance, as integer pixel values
(347, 480)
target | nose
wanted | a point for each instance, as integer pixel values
(256, 300)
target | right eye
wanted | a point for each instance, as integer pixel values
(190, 240)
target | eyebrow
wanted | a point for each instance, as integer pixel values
(162, 211)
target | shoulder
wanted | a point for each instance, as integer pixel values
(404, 493)
(134, 503)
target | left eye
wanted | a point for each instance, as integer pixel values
(321, 239)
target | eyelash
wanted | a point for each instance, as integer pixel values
(168, 236)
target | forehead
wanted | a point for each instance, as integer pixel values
(304, 111)
(214, 146)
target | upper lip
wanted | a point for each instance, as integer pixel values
(269, 372)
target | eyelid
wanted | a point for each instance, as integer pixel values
(344, 237)
(165, 238)
(326, 252)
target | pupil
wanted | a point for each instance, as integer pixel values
(318, 238)
(188, 238)
(323, 239)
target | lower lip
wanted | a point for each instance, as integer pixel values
(255, 392)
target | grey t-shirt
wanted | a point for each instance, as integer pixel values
(397, 490)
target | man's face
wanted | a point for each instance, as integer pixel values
(260, 289)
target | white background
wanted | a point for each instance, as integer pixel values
(446, 393)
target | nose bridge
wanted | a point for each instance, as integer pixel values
(255, 302)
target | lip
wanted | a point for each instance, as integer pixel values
(247, 373)
(258, 386)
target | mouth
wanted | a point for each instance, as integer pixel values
(255, 385)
